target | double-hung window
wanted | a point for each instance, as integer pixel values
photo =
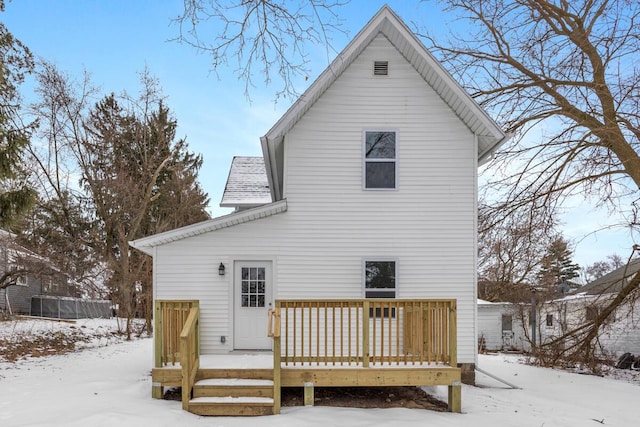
(380, 282)
(380, 159)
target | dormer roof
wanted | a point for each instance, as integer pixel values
(247, 185)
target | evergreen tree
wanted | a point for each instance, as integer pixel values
(16, 197)
(557, 269)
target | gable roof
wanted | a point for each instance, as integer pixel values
(247, 184)
(146, 244)
(387, 23)
(611, 282)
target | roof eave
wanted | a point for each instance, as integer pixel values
(146, 244)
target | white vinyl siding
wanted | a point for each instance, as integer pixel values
(317, 246)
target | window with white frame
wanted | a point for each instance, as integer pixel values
(380, 159)
(380, 282)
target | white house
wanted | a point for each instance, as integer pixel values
(500, 327)
(372, 188)
(621, 334)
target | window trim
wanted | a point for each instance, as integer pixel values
(365, 161)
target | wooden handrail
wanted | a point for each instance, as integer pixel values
(273, 325)
(189, 354)
(366, 331)
(169, 319)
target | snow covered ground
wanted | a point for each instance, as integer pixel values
(108, 384)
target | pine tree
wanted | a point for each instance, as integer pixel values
(557, 269)
(16, 197)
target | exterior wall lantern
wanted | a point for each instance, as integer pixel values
(221, 269)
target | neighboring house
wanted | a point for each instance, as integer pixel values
(372, 193)
(40, 277)
(620, 335)
(500, 327)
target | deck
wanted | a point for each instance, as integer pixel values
(317, 343)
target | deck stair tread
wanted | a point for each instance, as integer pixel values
(234, 382)
(234, 400)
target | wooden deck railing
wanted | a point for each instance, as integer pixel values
(365, 331)
(189, 354)
(170, 318)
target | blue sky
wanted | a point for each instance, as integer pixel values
(114, 40)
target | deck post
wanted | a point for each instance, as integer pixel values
(277, 358)
(365, 334)
(453, 335)
(455, 389)
(309, 397)
(455, 397)
(156, 388)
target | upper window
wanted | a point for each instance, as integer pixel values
(380, 159)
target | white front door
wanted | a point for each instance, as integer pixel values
(252, 296)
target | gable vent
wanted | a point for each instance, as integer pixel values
(380, 68)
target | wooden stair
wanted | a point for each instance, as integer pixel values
(233, 392)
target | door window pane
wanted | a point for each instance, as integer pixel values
(253, 287)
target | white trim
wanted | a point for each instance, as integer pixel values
(395, 160)
(146, 244)
(476, 325)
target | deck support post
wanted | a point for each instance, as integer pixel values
(455, 397)
(157, 391)
(274, 331)
(309, 397)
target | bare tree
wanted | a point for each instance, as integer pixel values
(260, 37)
(561, 77)
(510, 252)
(565, 68)
(600, 268)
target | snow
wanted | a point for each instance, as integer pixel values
(108, 383)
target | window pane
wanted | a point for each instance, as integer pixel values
(253, 274)
(380, 175)
(245, 301)
(380, 145)
(245, 287)
(245, 273)
(380, 275)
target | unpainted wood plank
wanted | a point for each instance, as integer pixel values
(351, 377)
